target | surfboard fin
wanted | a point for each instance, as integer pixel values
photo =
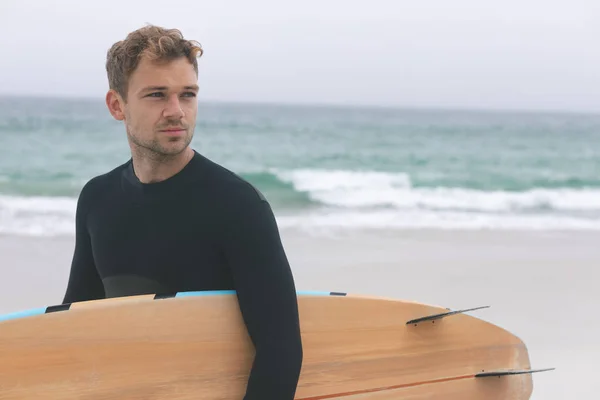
(435, 317)
(510, 372)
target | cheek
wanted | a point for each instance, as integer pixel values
(191, 111)
(143, 121)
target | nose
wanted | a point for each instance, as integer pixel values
(173, 108)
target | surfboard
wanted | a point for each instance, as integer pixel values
(194, 345)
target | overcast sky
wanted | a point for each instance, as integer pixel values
(516, 54)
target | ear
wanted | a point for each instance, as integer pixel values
(115, 104)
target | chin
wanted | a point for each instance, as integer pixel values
(174, 146)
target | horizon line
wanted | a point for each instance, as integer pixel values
(315, 104)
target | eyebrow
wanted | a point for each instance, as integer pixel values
(160, 88)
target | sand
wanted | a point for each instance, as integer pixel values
(540, 285)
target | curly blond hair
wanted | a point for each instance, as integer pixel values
(154, 42)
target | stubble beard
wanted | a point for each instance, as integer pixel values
(155, 150)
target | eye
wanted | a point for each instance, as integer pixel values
(155, 94)
(189, 94)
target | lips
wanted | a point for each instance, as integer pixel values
(173, 131)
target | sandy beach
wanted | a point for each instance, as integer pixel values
(540, 285)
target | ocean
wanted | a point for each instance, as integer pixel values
(326, 167)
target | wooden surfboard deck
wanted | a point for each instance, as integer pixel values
(194, 345)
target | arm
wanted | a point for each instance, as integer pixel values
(267, 297)
(84, 282)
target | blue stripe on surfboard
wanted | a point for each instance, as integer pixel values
(43, 310)
(23, 314)
(226, 292)
(205, 293)
(313, 293)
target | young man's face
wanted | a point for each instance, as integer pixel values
(161, 108)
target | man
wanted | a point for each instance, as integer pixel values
(170, 220)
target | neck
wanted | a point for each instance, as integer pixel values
(152, 168)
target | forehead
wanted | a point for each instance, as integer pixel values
(176, 73)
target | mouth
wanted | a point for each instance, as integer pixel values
(173, 131)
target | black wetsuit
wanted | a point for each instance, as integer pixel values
(203, 229)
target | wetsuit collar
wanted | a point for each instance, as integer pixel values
(165, 187)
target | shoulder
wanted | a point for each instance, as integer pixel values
(100, 185)
(229, 187)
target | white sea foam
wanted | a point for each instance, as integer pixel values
(347, 189)
(390, 219)
(37, 216)
(365, 200)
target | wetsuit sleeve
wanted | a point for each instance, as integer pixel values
(267, 297)
(84, 283)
